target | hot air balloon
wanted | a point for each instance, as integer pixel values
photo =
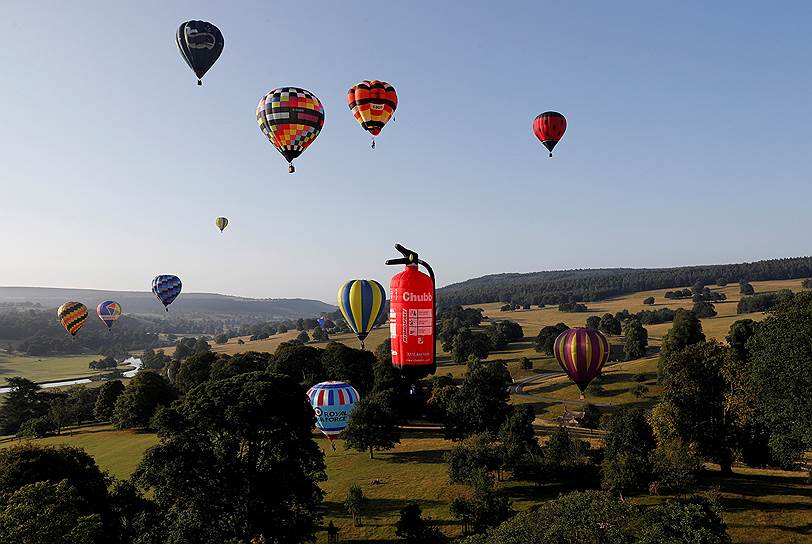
(290, 118)
(73, 316)
(549, 128)
(167, 288)
(372, 103)
(361, 303)
(321, 321)
(109, 312)
(200, 44)
(332, 402)
(581, 353)
(221, 223)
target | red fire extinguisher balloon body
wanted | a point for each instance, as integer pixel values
(411, 323)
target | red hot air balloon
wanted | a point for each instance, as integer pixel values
(581, 353)
(549, 128)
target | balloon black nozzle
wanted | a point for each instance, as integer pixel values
(166, 309)
(291, 169)
(199, 83)
(409, 256)
(551, 153)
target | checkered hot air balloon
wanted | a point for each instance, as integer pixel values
(362, 304)
(332, 403)
(549, 128)
(167, 288)
(109, 312)
(290, 118)
(73, 316)
(372, 103)
(581, 352)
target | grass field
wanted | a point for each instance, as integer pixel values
(45, 369)
(761, 506)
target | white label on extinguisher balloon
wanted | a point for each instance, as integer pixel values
(393, 324)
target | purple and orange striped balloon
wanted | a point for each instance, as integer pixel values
(581, 353)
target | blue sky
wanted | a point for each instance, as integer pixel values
(687, 141)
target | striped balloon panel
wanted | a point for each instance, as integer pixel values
(332, 403)
(549, 127)
(361, 303)
(290, 118)
(581, 352)
(372, 103)
(108, 311)
(167, 288)
(73, 316)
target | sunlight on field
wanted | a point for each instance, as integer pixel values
(41, 369)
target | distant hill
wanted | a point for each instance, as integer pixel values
(556, 287)
(135, 302)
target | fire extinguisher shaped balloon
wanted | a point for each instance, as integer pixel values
(412, 316)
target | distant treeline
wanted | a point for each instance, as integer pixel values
(589, 285)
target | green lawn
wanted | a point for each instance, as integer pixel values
(45, 369)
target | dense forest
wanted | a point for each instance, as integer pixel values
(568, 286)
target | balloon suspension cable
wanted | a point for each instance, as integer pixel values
(199, 83)
(373, 143)
(291, 169)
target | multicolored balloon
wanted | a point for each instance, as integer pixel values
(221, 223)
(290, 118)
(361, 303)
(167, 288)
(73, 316)
(549, 128)
(581, 352)
(372, 103)
(200, 44)
(332, 403)
(109, 312)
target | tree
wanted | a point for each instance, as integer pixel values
(355, 366)
(740, 332)
(37, 427)
(689, 522)
(413, 529)
(383, 352)
(140, 399)
(635, 339)
(629, 443)
(779, 378)
(154, 360)
(319, 335)
(59, 412)
(545, 341)
(194, 370)
(302, 363)
(639, 391)
(593, 322)
(704, 309)
(686, 330)
(475, 453)
(442, 389)
(354, 503)
(526, 364)
(480, 404)
(675, 465)
(745, 288)
(807, 283)
(693, 399)
(517, 438)
(256, 429)
(592, 417)
(373, 424)
(81, 403)
(648, 301)
(221, 338)
(105, 402)
(467, 343)
(47, 512)
(721, 282)
(482, 510)
(23, 402)
(609, 324)
(303, 337)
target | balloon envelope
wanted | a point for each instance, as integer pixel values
(372, 103)
(581, 352)
(109, 312)
(73, 316)
(549, 128)
(361, 303)
(221, 223)
(290, 118)
(200, 44)
(332, 403)
(167, 288)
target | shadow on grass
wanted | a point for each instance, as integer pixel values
(433, 457)
(376, 508)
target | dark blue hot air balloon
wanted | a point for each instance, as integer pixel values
(167, 288)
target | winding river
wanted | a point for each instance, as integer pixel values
(132, 361)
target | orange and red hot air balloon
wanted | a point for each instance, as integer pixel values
(581, 352)
(549, 128)
(372, 103)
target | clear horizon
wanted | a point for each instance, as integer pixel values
(686, 143)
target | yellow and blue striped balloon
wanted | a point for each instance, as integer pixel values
(361, 302)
